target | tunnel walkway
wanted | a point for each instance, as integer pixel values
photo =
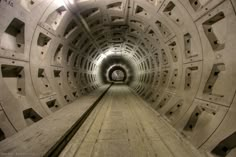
(122, 125)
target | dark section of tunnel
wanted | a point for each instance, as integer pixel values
(114, 62)
(117, 70)
(178, 55)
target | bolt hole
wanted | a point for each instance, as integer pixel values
(225, 149)
(216, 42)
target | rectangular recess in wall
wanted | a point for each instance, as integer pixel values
(188, 76)
(115, 19)
(117, 6)
(11, 70)
(13, 39)
(58, 54)
(53, 105)
(43, 83)
(77, 39)
(173, 13)
(215, 72)
(213, 29)
(172, 47)
(69, 55)
(75, 74)
(193, 119)
(163, 29)
(188, 46)
(202, 116)
(151, 33)
(148, 95)
(173, 111)
(70, 80)
(57, 73)
(31, 116)
(198, 4)
(140, 11)
(75, 94)
(138, 24)
(70, 29)
(148, 63)
(43, 42)
(85, 42)
(225, 146)
(164, 57)
(41, 73)
(164, 101)
(95, 23)
(54, 19)
(172, 84)
(66, 97)
(2, 135)
(14, 77)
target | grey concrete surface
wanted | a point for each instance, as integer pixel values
(37, 139)
(177, 55)
(123, 125)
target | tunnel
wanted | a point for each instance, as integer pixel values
(118, 78)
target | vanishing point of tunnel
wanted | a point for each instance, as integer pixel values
(117, 78)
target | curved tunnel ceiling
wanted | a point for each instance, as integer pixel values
(179, 56)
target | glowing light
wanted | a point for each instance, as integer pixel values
(103, 55)
(109, 52)
(60, 2)
(71, 1)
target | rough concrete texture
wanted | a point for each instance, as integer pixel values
(178, 55)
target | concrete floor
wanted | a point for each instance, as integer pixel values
(123, 125)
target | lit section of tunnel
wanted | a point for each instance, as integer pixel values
(117, 68)
(178, 55)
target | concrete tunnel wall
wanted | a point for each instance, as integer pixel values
(180, 55)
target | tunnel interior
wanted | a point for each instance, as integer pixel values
(117, 74)
(116, 68)
(177, 55)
